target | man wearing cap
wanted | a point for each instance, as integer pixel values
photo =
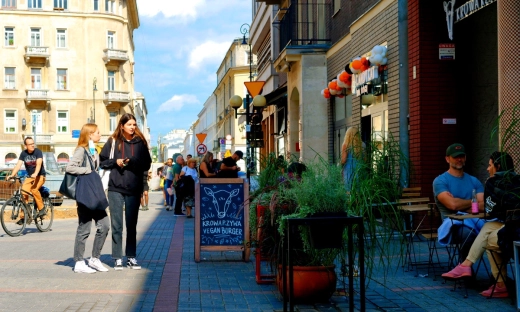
(452, 192)
(229, 168)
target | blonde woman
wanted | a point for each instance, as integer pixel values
(189, 190)
(89, 132)
(206, 169)
(351, 155)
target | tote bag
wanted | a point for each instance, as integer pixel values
(89, 190)
(105, 174)
(68, 185)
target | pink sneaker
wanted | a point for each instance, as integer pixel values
(500, 292)
(458, 272)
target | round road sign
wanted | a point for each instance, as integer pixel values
(201, 149)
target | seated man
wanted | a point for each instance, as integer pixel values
(488, 237)
(452, 193)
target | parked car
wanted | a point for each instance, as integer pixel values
(7, 188)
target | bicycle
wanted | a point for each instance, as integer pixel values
(12, 208)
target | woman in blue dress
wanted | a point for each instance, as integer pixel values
(351, 155)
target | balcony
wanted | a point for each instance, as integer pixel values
(37, 97)
(116, 97)
(37, 54)
(310, 30)
(42, 138)
(303, 29)
(115, 57)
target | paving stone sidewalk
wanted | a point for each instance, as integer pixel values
(36, 275)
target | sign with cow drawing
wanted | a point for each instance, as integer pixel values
(222, 216)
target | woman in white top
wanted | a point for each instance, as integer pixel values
(190, 170)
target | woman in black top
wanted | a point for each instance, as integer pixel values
(125, 186)
(205, 169)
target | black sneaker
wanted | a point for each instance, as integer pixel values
(118, 265)
(131, 263)
(20, 222)
(42, 212)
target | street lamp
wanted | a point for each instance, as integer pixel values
(258, 103)
(94, 89)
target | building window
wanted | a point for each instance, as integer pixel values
(9, 81)
(10, 121)
(110, 6)
(9, 36)
(62, 79)
(36, 36)
(8, 3)
(111, 39)
(337, 5)
(36, 78)
(35, 4)
(111, 80)
(112, 121)
(63, 121)
(248, 57)
(60, 4)
(61, 38)
(96, 5)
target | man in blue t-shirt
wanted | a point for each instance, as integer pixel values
(453, 190)
(32, 158)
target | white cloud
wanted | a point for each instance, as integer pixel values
(177, 102)
(208, 52)
(178, 8)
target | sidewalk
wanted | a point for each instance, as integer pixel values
(37, 276)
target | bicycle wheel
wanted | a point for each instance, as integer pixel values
(44, 220)
(10, 213)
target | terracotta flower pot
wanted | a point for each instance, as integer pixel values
(311, 283)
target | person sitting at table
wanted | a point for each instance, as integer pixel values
(498, 162)
(452, 193)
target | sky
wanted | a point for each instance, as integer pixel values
(179, 46)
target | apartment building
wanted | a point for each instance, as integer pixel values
(64, 63)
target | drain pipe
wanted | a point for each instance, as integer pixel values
(404, 139)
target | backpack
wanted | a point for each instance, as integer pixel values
(502, 193)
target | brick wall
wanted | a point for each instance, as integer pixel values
(382, 28)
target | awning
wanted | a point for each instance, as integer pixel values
(278, 97)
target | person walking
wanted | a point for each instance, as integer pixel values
(168, 184)
(32, 158)
(125, 186)
(89, 134)
(177, 168)
(144, 198)
(189, 189)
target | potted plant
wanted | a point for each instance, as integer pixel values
(321, 191)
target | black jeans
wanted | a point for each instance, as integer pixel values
(131, 203)
(179, 198)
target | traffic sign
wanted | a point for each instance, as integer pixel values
(201, 149)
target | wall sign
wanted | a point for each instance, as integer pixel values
(447, 51)
(449, 121)
(455, 15)
(222, 221)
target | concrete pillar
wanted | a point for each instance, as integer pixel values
(508, 12)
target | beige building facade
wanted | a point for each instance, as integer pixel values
(64, 63)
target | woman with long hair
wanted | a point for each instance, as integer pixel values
(125, 186)
(189, 196)
(89, 135)
(206, 166)
(351, 154)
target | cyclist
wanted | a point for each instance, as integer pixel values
(32, 158)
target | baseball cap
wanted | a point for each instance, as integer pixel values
(240, 154)
(455, 150)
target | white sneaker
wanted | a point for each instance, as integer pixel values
(96, 264)
(82, 267)
(131, 263)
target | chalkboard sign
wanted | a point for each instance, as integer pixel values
(222, 216)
